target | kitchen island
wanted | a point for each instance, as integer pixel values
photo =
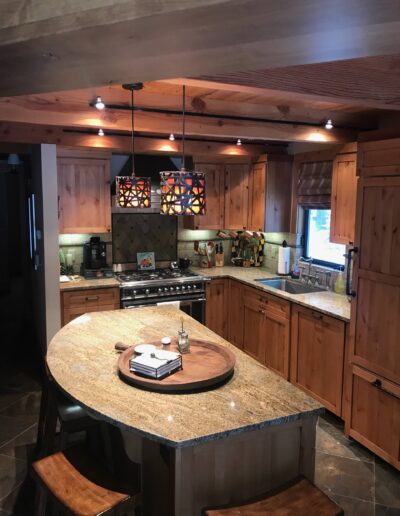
(250, 435)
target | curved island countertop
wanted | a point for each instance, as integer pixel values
(83, 362)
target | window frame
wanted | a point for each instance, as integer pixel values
(315, 261)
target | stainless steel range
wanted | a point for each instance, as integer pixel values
(144, 288)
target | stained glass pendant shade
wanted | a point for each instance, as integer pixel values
(133, 191)
(183, 192)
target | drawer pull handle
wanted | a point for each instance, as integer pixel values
(378, 384)
(261, 311)
(91, 298)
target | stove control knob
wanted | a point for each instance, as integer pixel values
(147, 291)
(160, 290)
(189, 287)
(194, 286)
(171, 289)
(183, 287)
(134, 292)
(177, 288)
(165, 289)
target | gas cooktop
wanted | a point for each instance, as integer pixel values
(156, 275)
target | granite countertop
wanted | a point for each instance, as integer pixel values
(329, 303)
(80, 283)
(83, 362)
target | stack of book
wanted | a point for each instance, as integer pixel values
(158, 364)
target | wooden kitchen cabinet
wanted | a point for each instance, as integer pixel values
(343, 198)
(215, 207)
(372, 413)
(235, 313)
(78, 302)
(317, 356)
(216, 306)
(375, 308)
(253, 324)
(266, 329)
(236, 195)
(270, 180)
(84, 202)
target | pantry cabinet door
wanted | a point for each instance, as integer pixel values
(375, 321)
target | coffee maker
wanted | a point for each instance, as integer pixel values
(95, 259)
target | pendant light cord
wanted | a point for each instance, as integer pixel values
(183, 125)
(133, 132)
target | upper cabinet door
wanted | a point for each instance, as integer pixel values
(270, 194)
(236, 195)
(215, 197)
(257, 186)
(84, 195)
(343, 200)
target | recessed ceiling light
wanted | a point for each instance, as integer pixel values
(171, 137)
(329, 124)
(99, 104)
(100, 132)
(239, 141)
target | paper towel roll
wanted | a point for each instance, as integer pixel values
(284, 260)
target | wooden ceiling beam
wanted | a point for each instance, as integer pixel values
(33, 134)
(36, 110)
(369, 83)
(52, 46)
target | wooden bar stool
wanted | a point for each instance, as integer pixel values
(81, 485)
(299, 498)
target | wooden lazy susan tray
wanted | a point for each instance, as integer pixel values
(206, 365)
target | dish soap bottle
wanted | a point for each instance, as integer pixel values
(340, 286)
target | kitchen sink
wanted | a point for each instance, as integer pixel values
(291, 286)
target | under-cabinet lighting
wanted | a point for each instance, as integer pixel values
(329, 125)
(239, 141)
(100, 132)
(171, 137)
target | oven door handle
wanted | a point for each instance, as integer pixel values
(197, 299)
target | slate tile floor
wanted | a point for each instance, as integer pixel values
(356, 479)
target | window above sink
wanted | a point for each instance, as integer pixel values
(317, 244)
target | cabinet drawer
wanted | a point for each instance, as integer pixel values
(272, 304)
(91, 298)
(373, 413)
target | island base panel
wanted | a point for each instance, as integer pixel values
(182, 481)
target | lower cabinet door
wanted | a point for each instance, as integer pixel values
(253, 327)
(317, 356)
(216, 316)
(235, 313)
(276, 332)
(372, 413)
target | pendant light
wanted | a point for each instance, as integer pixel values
(133, 191)
(183, 192)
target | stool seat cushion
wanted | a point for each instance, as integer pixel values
(301, 498)
(82, 484)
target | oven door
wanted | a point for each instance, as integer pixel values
(193, 306)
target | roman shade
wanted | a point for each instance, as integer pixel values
(315, 185)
